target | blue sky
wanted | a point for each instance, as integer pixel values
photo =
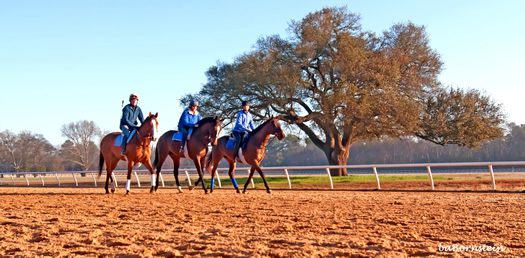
(65, 61)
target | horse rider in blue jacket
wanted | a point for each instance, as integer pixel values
(188, 120)
(243, 125)
(130, 113)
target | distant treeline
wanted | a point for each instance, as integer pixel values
(32, 152)
(405, 150)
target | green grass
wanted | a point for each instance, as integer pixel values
(324, 180)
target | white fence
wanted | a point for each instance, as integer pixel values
(10, 176)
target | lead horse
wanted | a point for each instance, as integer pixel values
(197, 147)
(138, 151)
(253, 152)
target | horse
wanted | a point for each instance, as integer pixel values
(253, 151)
(197, 147)
(138, 151)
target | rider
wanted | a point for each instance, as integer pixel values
(188, 120)
(243, 125)
(130, 113)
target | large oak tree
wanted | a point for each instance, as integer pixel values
(340, 84)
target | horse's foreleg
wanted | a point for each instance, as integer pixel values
(252, 170)
(128, 178)
(259, 170)
(148, 165)
(231, 175)
(199, 170)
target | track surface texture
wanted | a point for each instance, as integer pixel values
(86, 222)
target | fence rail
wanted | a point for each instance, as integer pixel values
(6, 177)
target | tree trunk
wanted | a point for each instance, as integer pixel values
(337, 157)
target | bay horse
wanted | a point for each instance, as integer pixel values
(138, 151)
(253, 151)
(197, 147)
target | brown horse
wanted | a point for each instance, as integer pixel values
(138, 151)
(197, 146)
(252, 151)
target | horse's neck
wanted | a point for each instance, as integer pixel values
(140, 140)
(199, 134)
(261, 138)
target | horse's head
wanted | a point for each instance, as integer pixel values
(149, 129)
(276, 128)
(212, 126)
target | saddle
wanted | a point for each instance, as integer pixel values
(230, 143)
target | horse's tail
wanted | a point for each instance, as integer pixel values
(100, 164)
(207, 161)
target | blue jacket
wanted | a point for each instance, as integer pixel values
(188, 120)
(244, 122)
(130, 115)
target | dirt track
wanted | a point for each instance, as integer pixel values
(69, 221)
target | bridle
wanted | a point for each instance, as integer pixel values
(144, 140)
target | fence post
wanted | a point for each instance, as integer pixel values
(114, 179)
(94, 180)
(161, 179)
(218, 178)
(330, 177)
(75, 177)
(288, 177)
(58, 180)
(253, 184)
(377, 178)
(431, 178)
(137, 177)
(41, 179)
(13, 178)
(188, 177)
(27, 181)
(493, 178)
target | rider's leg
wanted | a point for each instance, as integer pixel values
(125, 132)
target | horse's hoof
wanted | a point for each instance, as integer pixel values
(112, 190)
(238, 191)
(127, 192)
(191, 187)
(269, 191)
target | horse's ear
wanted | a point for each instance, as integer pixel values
(215, 118)
(149, 114)
(156, 114)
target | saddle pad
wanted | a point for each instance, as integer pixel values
(177, 136)
(230, 144)
(118, 139)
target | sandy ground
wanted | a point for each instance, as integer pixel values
(85, 222)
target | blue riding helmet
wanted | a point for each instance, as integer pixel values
(194, 103)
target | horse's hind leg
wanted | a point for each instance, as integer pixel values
(160, 161)
(231, 175)
(176, 164)
(252, 170)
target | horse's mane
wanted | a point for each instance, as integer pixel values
(148, 118)
(258, 128)
(206, 120)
